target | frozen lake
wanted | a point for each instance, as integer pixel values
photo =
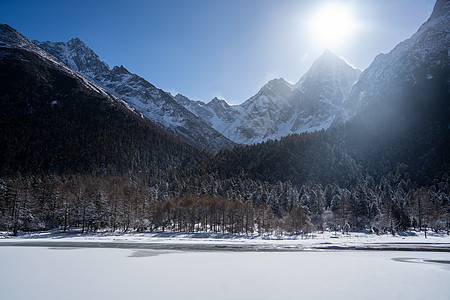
(107, 273)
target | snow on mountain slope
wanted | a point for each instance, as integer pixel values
(55, 121)
(320, 93)
(218, 114)
(329, 79)
(410, 61)
(11, 38)
(277, 110)
(280, 108)
(77, 56)
(332, 91)
(155, 104)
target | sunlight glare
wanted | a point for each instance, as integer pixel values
(332, 24)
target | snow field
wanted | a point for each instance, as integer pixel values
(76, 273)
(307, 241)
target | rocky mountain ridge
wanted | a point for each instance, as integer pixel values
(280, 108)
(411, 60)
(277, 110)
(155, 104)
(53, 120)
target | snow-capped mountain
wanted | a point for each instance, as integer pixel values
(52, 119)
(399, 111)
(329, 80)
(12, 39)
(411, 61)
(280, 108)
(77, 56)
(331, 92)
(277, 110)
(320, 93)
(155, 104)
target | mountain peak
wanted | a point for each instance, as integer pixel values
(329, 79)
(77, 56)
(277, 85)
(10, 37)
(327, 66)
(218, 102)
(75, 44)
(120, 70)
(329, 55)
(6, 29)
(329, 59)
(76, 41)
(277, 82)
(328, 52)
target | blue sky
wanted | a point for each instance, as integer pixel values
(227, 48)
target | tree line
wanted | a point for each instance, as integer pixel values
(88, 203)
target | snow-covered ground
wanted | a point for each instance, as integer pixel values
(95, 273)
(411, 240)
(216, 266)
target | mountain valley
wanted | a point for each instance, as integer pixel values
(87, 147)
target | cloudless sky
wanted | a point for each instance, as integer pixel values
(208, 48)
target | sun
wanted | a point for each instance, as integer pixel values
(332, 25)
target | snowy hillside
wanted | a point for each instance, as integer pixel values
(11, 38)
(331, 92)
(411, 61)
(280, 108)
(155, 104)
(277, 110)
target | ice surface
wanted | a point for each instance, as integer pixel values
(43, 273)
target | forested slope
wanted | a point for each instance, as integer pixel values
(51, 122)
